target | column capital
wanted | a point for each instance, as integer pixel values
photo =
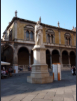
(50, 54)
(29, 53)
(60, 55)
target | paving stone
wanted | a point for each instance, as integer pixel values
(19, 97)
(64, 95)
(40, 89)
(34, 93)
(49, 95)
(8, 98)
(19, 87)
(15, 100)
(29, 98)
(57, 98)
(59, 92)
(41, 100)
(74, 93)
(40, 95)
(69, 99)
(54, 90)
(74, 97)
(59, 95)
(68, 90)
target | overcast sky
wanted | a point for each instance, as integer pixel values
(51, 11)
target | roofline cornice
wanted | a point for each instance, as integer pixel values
(33, 22)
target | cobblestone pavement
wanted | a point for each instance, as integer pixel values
(17, 88)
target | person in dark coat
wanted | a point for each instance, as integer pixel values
(74, 70)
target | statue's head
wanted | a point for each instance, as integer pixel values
(38, 22)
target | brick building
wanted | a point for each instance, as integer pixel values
(18, 41)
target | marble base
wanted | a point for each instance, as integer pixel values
(40, 74)
(40, 80)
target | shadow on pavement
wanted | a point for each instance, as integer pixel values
(19, 85)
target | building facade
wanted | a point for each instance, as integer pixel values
(19, 39)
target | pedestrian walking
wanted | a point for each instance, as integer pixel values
(74, 70)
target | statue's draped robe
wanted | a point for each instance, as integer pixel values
(38, 34)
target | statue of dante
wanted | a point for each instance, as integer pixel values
(38, 32)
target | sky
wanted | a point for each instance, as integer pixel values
(51, 11)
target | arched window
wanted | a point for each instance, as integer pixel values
(50, 36)
(67, 39)
(31, 35)
(27, 35)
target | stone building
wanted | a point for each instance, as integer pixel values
(19, 39)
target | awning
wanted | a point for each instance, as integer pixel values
(5, 63)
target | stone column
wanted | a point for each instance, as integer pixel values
(50, 38)
(29, 35)
(15, 61)
(50, 61)
(69, 59)
(75, 60)
(60, 59)
(29, 59)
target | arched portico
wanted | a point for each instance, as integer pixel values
(65, 57)
(48, 58)
(55, 56)
(23, 56)
(7, 54)
(72, 58)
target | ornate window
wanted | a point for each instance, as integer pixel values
(50, 36)
(29, 33)
(67, 39)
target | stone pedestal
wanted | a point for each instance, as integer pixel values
(39, 72)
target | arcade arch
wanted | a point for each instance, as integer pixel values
(23, 56)
(48, 58)
(65, 57)
(7, 54)
(55, 56)
(72, 58)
